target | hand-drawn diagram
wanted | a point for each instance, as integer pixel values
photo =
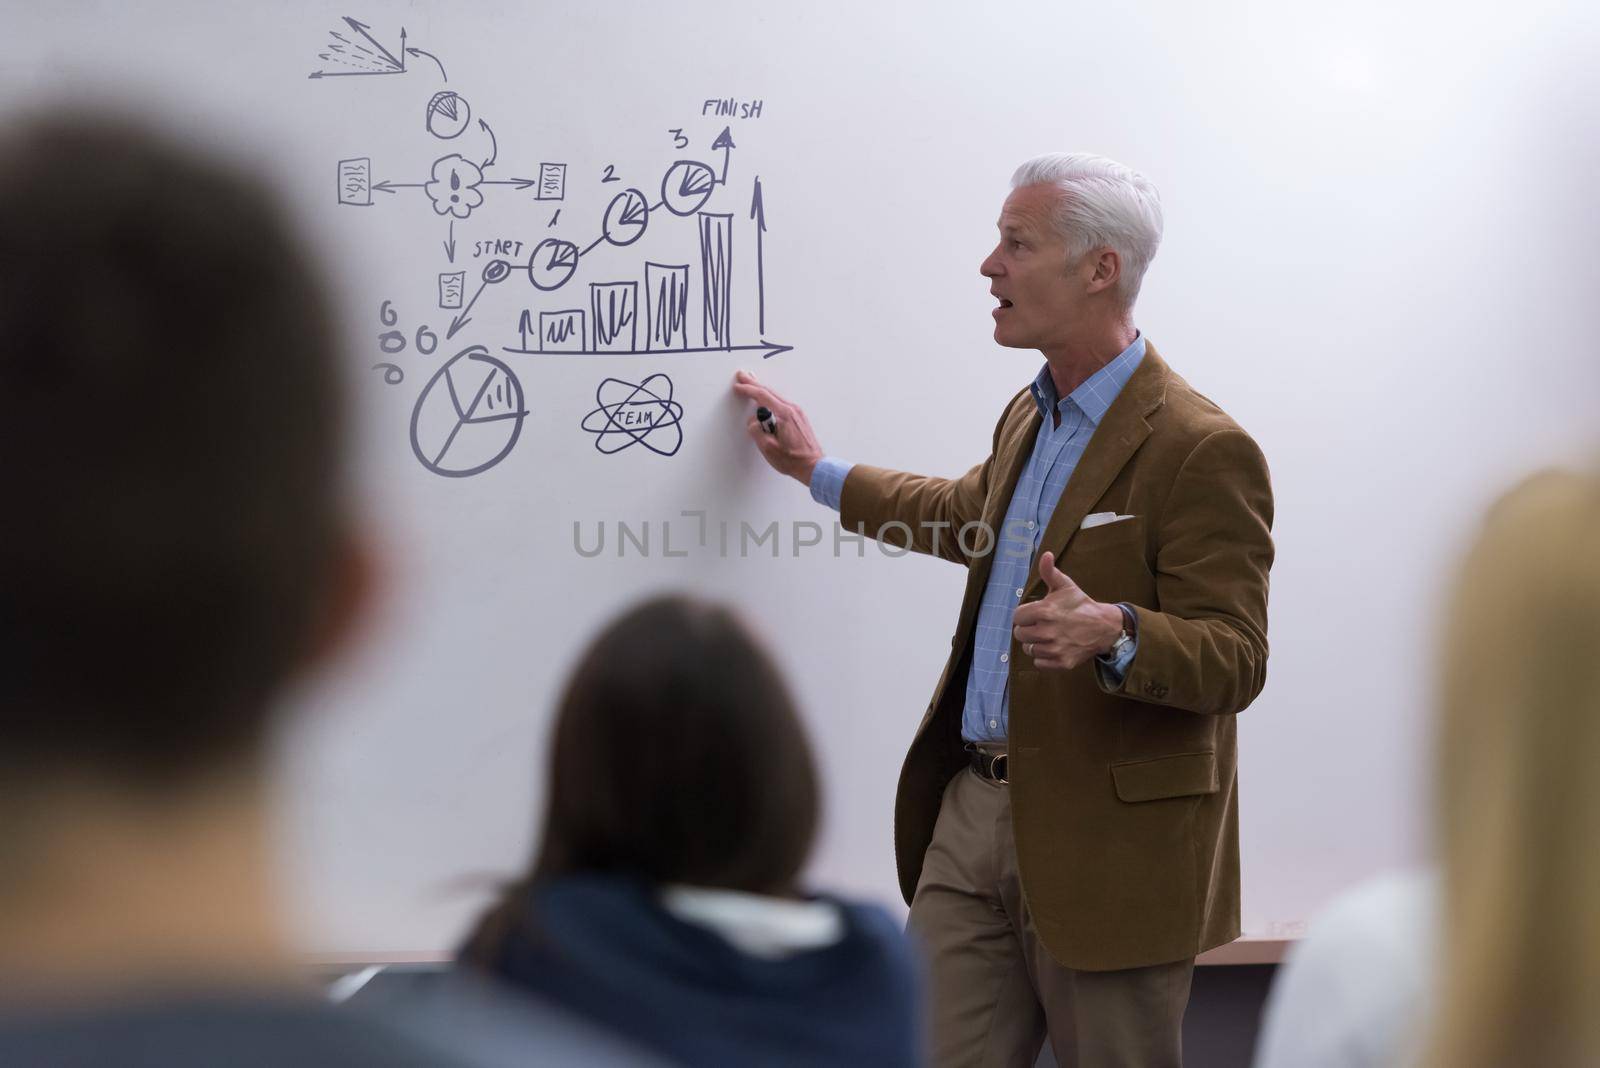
(355, 182)
(451, 284)
(628, 414)
(552, 182)
(359, 53)
(699, 270)
(454, 187)
(457, 439)
(448, 115)
(455, 180)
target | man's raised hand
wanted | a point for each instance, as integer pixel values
(793, 449)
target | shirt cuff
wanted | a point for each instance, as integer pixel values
(827, 481)
(1114, 667)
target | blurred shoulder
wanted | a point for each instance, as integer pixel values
(1350, 992)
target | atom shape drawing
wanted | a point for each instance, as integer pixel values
(628, 414)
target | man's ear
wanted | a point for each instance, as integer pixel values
(1106, 269)
(354, 586)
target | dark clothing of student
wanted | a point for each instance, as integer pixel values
(238, 1033)
(606, 948)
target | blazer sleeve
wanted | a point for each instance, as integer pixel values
(920, 512)
(1205, 648)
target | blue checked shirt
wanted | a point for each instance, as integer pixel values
(1056, 451)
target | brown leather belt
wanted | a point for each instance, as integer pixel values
(990, 763)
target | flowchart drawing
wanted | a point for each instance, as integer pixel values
(689, 231)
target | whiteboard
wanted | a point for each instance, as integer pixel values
(1376, 259)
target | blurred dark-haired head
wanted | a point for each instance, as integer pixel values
(172, 427)
(678, 756)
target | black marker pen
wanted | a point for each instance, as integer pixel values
(764, 417)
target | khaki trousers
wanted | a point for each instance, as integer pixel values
(996, 991)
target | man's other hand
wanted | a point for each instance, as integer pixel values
(793, 450)
(1066, 627)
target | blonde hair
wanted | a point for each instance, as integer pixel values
(1518, 788)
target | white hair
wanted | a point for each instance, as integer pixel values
(1103, 202)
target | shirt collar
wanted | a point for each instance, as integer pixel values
(1095, 393)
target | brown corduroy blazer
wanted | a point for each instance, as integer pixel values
(1124, 800)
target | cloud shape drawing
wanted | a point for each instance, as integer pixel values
(454, 188)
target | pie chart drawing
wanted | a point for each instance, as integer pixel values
(469, 415)
(551, 263)
(448, 115)
(626, 217)
(686, 186)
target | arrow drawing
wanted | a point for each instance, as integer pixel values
(494, 146)
(430, 55)
(462, 318)
(450, 244)
(758, 212)
(387, 186)
(362, 28)
(724, 141)
(368, 58)
(350, 73)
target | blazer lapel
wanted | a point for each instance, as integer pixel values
(1016, 445)
(1115, 440)
(1015, 449)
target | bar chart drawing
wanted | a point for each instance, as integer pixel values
(666, 289)
(614, 307)
(716, 272)
(559, 331)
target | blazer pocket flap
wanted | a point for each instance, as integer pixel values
(1181, 775)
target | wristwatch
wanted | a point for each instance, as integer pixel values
(1130, 627)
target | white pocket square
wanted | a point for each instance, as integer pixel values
(1100, 519)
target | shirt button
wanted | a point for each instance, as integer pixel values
(1004, 657)
(1019, 591)
(994, 724)
(1030, 524)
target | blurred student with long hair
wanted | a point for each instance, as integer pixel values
(666, 900)
(1494, 960)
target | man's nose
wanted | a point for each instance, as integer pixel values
(989, 268)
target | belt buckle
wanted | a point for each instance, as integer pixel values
(998, 768)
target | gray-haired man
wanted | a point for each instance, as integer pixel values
(1066, 826)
